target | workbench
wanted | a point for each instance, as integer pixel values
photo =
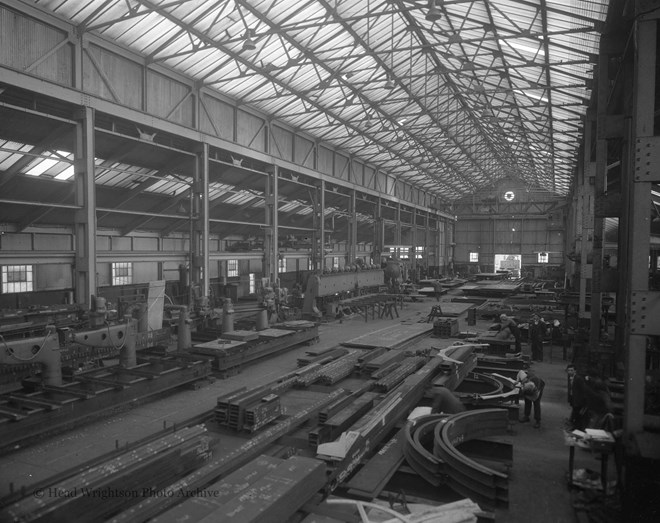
(602, 446)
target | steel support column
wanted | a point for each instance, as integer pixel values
(413, 243)
(352, 228)
(600, 189)
(85, 280)
(200, 266)
(379, 233)
(271, 250)
(637, 226)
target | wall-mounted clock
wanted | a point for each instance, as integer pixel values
(509, 196)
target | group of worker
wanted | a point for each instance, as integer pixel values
(588, 396)
(537, 328)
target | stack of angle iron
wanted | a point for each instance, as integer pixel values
(332, 428)
(382, 360)
(331, 372)
(99, 491)
(398, 373)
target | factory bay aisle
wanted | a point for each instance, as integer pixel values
(538, 488)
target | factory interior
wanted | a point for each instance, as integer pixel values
(324, 261)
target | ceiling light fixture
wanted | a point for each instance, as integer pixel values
(434, 14)
(248, 40)
(389, 84)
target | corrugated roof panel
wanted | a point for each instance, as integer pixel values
(480, 54)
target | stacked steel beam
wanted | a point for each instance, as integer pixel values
(333, 427)
(383, 360)
(323, 357)
(338, 405)
(403, 369)
(260, 414)
(445, 327)
(101, 490)
(221, 466)
(330, 373)
(372, 428)
(252, 409)
(333, 373)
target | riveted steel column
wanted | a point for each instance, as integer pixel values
(413, 254)
(201, 264)
(379, 232)
(599, 195)
(85, 280)
(271, 249)
(352, 228)
(643, 169)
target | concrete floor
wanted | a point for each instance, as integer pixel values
(538, 487)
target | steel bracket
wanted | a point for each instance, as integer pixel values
(644, 312)
(647, 159)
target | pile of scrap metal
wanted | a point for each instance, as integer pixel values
(433, 448)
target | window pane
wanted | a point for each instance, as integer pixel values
(17, 278)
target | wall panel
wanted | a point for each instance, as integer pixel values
(103, 243)
(216, 117)
(175, 244)
(112, 76)
(250, 131)
(144, 272)
(16, 242)
(370, 177)
(325, 160)
(380, 182)
(53, 242)
(169, 99)
(145, 244)
(303, 152)
(121, 243)
(342, 164)
(25, 42)
(281, 144)
(53, 276)
(357, 173)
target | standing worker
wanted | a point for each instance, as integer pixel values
(537, 331)
(509, 323)
(531, 389)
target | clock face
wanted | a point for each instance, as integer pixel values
(509, 196)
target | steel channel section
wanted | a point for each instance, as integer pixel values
(427, 465)
(467, 475)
